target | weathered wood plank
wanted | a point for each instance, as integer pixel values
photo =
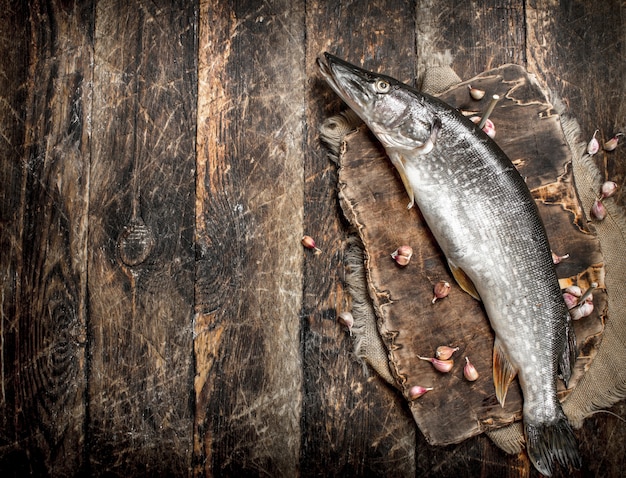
(351, 426)
(14, 41)
(577, 47)
(248, 384)
(141, 241)
(47, 144)
(478, 35)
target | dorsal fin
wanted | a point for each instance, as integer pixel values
(503, 371)
(463, 280)
(568, 357)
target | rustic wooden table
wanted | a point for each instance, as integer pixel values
(160, 162)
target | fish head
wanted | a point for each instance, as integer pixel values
(397, 114)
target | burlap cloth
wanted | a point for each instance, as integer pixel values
(605, 382)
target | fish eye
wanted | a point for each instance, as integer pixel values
(381, 86)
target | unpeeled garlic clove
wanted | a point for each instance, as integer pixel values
(611, 144)
(488, 128)
(416, 391)
(443, 366)
(476, 93)
(571, 295)
(583, 310)
(444, 352)
(593, 146)
(402, 255)
(441, 290)
(608, 189)
(469, 371)
(598, 211)
(309, 243)
(578, 303)
(556, 259)
(346, 319)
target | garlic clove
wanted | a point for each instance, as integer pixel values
(611, 144)
(556, 259)
(416, 391)
(608, 189)
(578, 303)
(571, 300)
(488, 128)
(593, 146)
(444, 352)
(469, 371)
(583, 310)
(309, 243)
(441, 290)
(443, 366)
(574, 290)
(346, 319)
(476, 93)
(598, 211)
(402, 255)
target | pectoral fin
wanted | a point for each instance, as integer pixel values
(429, 144)
(398, 161)
(503, 371)
(463, 280)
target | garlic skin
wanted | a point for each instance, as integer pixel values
(476, 93)
(346, 319)
(571, 295)
(416, 391)
(598, 211)
(444, 352)
(402, 255)
(443, 366)
(469, 371)
(612, 143)
(441, 290)
(578, 303)
(309, 243)
(593, 146)
(583, 310)
(608, 189)
(556, 259)
(489, 127)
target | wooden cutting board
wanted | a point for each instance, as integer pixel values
(374, 201)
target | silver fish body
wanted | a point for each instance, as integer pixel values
(486, 222)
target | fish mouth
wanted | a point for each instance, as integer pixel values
(347, 80)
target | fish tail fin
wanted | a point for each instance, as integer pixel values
(550, 441)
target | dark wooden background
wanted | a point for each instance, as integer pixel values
(159, 163)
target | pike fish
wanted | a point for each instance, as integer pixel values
(487, 224)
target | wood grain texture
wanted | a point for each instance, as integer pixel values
(48, 220)
(577, 47)
(341, 405)
(14, 37)
(141, 240)
(14, 87)
(477, 35)
(276, 389)
(248, 384)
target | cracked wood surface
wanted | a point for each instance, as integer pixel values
(160, 162)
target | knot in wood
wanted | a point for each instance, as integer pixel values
(135, 243)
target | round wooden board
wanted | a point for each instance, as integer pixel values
(374, 201)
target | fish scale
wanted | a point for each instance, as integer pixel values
(486, 222)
